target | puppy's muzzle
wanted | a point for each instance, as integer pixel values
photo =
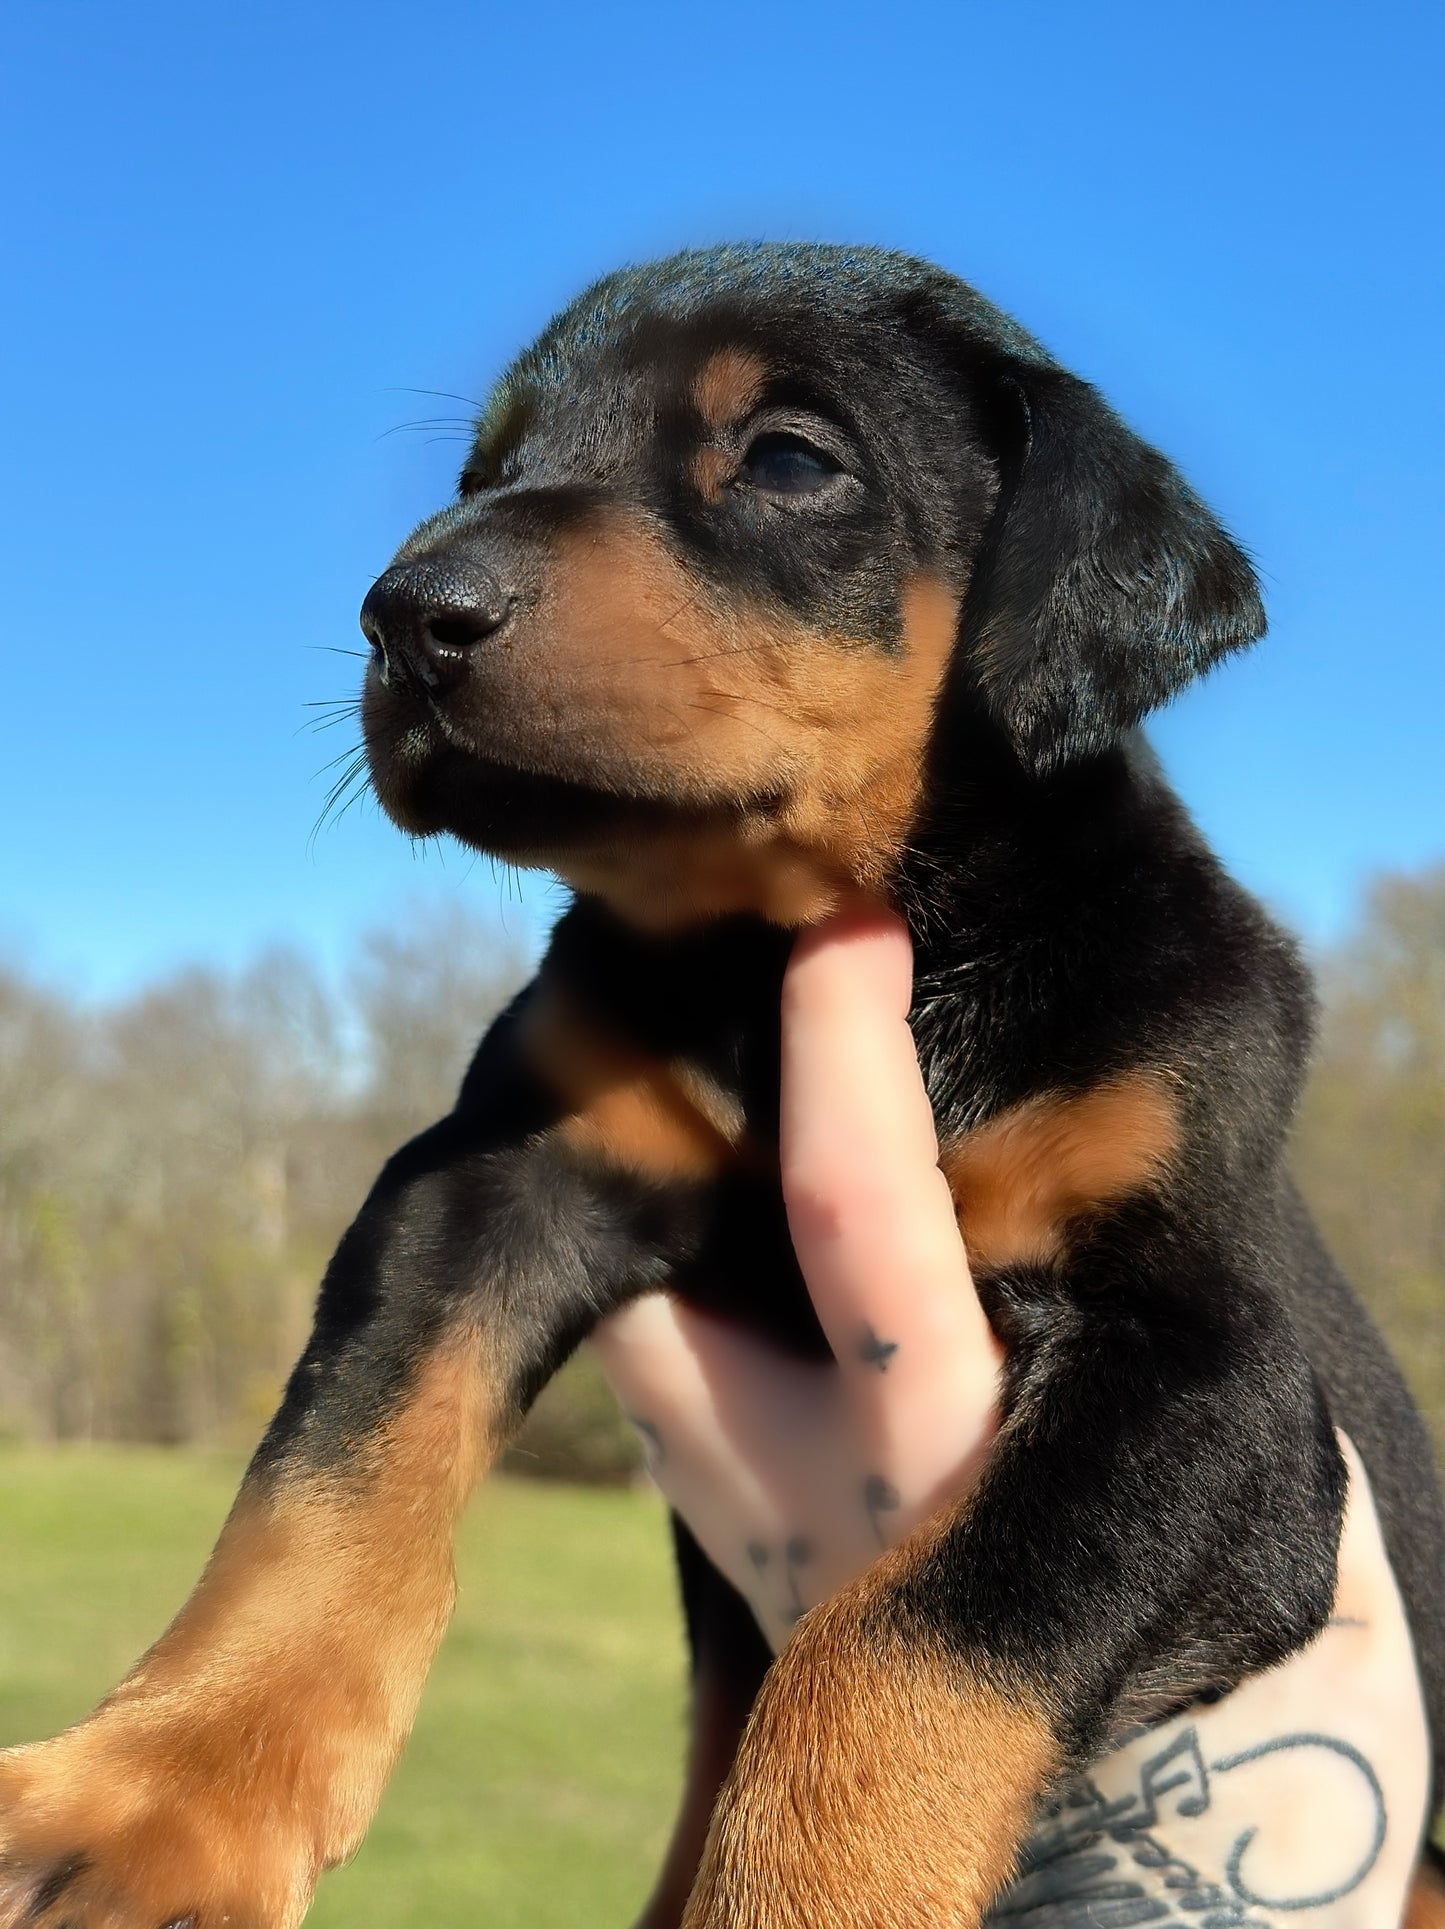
(426, 619)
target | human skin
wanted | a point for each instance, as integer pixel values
(1303, 1792)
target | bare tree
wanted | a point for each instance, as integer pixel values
(175, 1169)
(1370, 1147)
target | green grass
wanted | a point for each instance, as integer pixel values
(538, 1787)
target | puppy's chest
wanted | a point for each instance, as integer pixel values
(1028, 1177)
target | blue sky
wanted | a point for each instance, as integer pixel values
(235, 237)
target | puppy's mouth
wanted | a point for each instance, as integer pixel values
(516, 796)
(680, 760)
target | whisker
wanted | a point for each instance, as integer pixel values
(439, 394)
(344, 714)
(463, 429)
(359, 795)
(737, 717)
(711, 656)
(355, 752)
(355, 762)
(353, 780)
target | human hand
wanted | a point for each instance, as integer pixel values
(791, 1475)
(1301, 1794)
(1304, 1790)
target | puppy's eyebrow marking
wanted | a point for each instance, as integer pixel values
(727, 385)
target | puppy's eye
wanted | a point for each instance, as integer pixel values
(786, 465)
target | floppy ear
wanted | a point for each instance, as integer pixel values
(1103, 584)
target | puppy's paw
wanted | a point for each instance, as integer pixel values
(126, 1824)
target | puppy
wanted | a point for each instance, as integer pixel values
(780, 576)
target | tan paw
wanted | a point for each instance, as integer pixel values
(130, 1824)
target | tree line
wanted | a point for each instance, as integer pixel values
(176, 1166)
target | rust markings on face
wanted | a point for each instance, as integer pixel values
(712, 470)
(919, 1775)
(1021, 1180)
(798, 755)
(247, 1750)
(662, 1119)
(728, 386)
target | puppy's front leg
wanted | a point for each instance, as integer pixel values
(1160, 1515)
(883, 1782)
(247, 1750)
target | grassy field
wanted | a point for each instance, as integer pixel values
(538, 1787)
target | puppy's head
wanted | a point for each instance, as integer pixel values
(728, 533)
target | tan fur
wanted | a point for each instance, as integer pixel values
(1020, 1180)
(665, 1120)
(647, 686)
(1425, 1908)
(728, 385)
(878, 1785)
(712, 468)
(247, 1750)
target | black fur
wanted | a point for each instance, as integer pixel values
(1104, 584)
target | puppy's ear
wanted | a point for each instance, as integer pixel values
(1103, 584)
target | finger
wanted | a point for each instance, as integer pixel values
(871, 1216)
(651, 1371)
(730, 1425)
(744, 1442)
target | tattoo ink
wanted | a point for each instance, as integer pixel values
(797, 1554)
(880, 1496)
(1179, 1766)
(1284, 1745)
(1076, 1867)
(653, 1450)
(875, 1352)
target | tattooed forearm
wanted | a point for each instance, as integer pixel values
(1139, 1857)
(1372, 1802)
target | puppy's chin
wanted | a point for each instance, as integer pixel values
(510, 814)
(524, 817)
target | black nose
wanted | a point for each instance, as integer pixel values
(426, 617)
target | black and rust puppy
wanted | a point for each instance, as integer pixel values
(777, 575)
